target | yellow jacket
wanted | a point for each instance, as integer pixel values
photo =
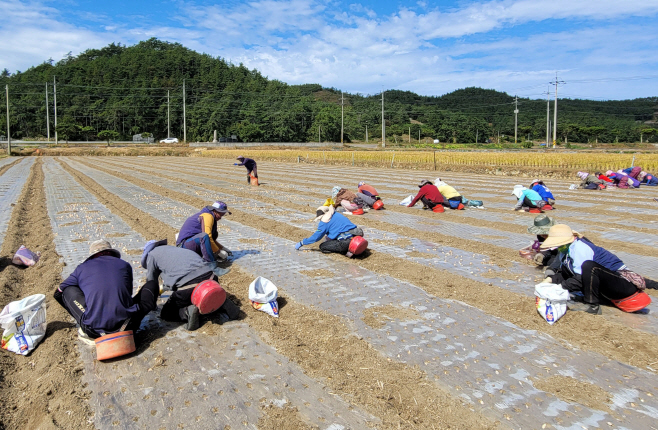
(448, 192)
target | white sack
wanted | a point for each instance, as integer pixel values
(406, 201)
(24, 324)
(262, 295)
(551, 301)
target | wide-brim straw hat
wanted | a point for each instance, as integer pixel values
(558, 235)
(541, 225)
(100, 246)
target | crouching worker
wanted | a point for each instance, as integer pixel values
(541, 189)
(339, 231)
(250, 165)
(181, 271)
(597, 273)
(429, 194)
(451, 197)
(369, 195)
(98, 294)
(527, 199)
(199, 233)
(346, 199)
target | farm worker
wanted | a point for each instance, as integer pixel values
(647, 179)
(590, 182)
(98, 294)
(451, 197)
(595, 272)
(367, 193)
(540, 227)
(338, 229)
(250, 164)
(199, 233)
(602, 177)
(429, 194)
(541, 189)
(181, 270)
(345, 198)
(527, 198)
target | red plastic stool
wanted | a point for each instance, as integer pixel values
(378, 205)
(534, 211)
(358, 212)
(547, 208)
(357, 245)
(438, 209)
(460, 207)
(634, 303)
(208, 296)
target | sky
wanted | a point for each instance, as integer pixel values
(601, 49)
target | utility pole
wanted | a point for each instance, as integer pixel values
(55, 108)
(8, 131)
(409, 134)
(319, 139)
(341, 117)
(555, 110)
(383, 124)
(168, 133)
(516, 116)
(548, 116)
(184, 127)
(477, 132)
(366, 133)
(47, 114)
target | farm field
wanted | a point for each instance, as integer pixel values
(435, 327)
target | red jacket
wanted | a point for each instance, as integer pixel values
(373, 192)
(431, 192)
(604, 178)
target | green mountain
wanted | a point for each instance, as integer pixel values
(138, 89)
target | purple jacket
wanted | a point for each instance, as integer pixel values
(192, 226)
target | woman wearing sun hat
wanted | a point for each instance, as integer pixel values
(596, 272)
(540, 226)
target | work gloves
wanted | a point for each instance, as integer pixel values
(539, 259)
(298, 245)
(235, 164)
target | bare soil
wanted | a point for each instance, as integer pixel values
(570, 389)
(376, 317)
(42, 390)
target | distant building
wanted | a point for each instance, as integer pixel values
(137, 138)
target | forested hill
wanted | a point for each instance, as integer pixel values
(134, 89)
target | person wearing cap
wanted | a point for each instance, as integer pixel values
(338, 229)
(250, 165)
(98, 294)
(368, 194)
(587, 268)
(541, 189)
(429, 194)
(181, 270)
(451, 197)
(527, 198)
(346, 198)
(540, 226)
(199, 233)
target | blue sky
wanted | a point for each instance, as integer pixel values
(603, 49)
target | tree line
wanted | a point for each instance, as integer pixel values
(139, 90)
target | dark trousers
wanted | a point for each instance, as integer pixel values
(600, 282)
(73, 300)
(340, 246)
(200, 243)
(429, 203)
(249, 172)
(455, 202)
(175, 309)
(529, 204)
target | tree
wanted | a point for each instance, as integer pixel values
(108, 135)
(146, 135)
(594, 131)
(568, 129)
(86, 131)
(66, 129)
(648, 132)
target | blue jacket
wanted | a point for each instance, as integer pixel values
(582, 250)
(650, 180)
(543, 192)
(337, 224)
(107, 283)
(192, 226)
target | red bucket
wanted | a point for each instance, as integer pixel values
(547, 208)
(253, 180)
(208, 296)
(534, 211)
(438, 209)
(460, 207)
(357, 245)
(378, 205)
(358, 212)
(634, 303)
(115, 345)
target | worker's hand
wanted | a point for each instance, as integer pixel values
(539, 259)
(517, 209)
(298, 245)
(547, 281)
(229, 252)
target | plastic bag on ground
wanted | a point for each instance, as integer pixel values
(24, 324)
(262, 296)
(406, 201)
(25, 257)
(551, 301)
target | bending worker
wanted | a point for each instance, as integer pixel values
(429, 194)
(98, 294)
(199, 233)
(368, 194)
(338, 229)
(597, 273)
(451, 197)
(181, 270)
(250, 164)
(527, 198)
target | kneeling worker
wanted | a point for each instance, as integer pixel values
(339, 231)
(98, 294)
(429, 194)
(181, 270)
(199, 233)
